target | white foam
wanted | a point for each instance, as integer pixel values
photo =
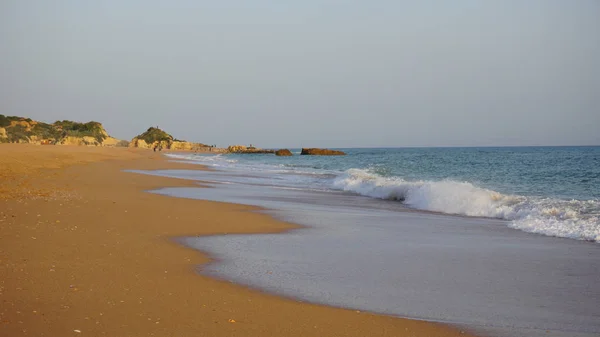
(210, 160)
(572, 219)
(575, 219)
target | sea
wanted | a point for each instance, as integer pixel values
(499, 241)
(551, 191)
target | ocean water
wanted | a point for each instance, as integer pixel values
(434, 234)
(552, 191)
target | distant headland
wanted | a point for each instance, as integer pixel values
(15, 129)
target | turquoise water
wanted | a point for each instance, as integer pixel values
(548, 190)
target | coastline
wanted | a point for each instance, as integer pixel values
(90, 252)
(464, 271)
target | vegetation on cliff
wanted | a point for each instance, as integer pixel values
(155, 138)
(75, 129)
(25, 130)
(155, 135)
(6, 120)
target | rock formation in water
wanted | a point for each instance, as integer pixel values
(236, 148)
(248, 150)
(283, 152)
(321, 152)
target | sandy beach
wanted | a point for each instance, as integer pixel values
(85, 251)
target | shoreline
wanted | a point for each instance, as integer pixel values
(310, 275)
(93, 259)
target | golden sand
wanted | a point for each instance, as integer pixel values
(85, 251)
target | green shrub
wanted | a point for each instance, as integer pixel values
(53, 132)
(17, 133)
(74, 129)
(155, 135)
(46, 131)
(4, 121)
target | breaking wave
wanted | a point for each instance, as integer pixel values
(214, 160)
(576, 219)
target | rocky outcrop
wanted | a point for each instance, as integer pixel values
(248, 150)
(283, 152)
(321, 152)
(173, 145)
(155, 138)
(79, 141)
(258, 151)
(110, 141)
(86, 141)
(25, 130)
(135, 142)
(236, 148)
(255, 151)
(178, 145)
(185, 146)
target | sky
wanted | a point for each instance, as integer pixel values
(330, 73)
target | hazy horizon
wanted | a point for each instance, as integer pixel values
(311, 74)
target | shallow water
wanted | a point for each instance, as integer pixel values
(366, 254)
(553, 191)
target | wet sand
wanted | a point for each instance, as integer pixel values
(85, 251)
(378, 256)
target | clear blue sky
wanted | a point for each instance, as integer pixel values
(310, 73)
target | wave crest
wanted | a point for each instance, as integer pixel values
(573, 219)
(212, 160)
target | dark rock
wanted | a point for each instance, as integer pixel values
(247, 150)
(321, 152)
(283, 152)
(255, 151)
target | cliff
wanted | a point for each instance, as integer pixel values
(159, 139)
(14, 129)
